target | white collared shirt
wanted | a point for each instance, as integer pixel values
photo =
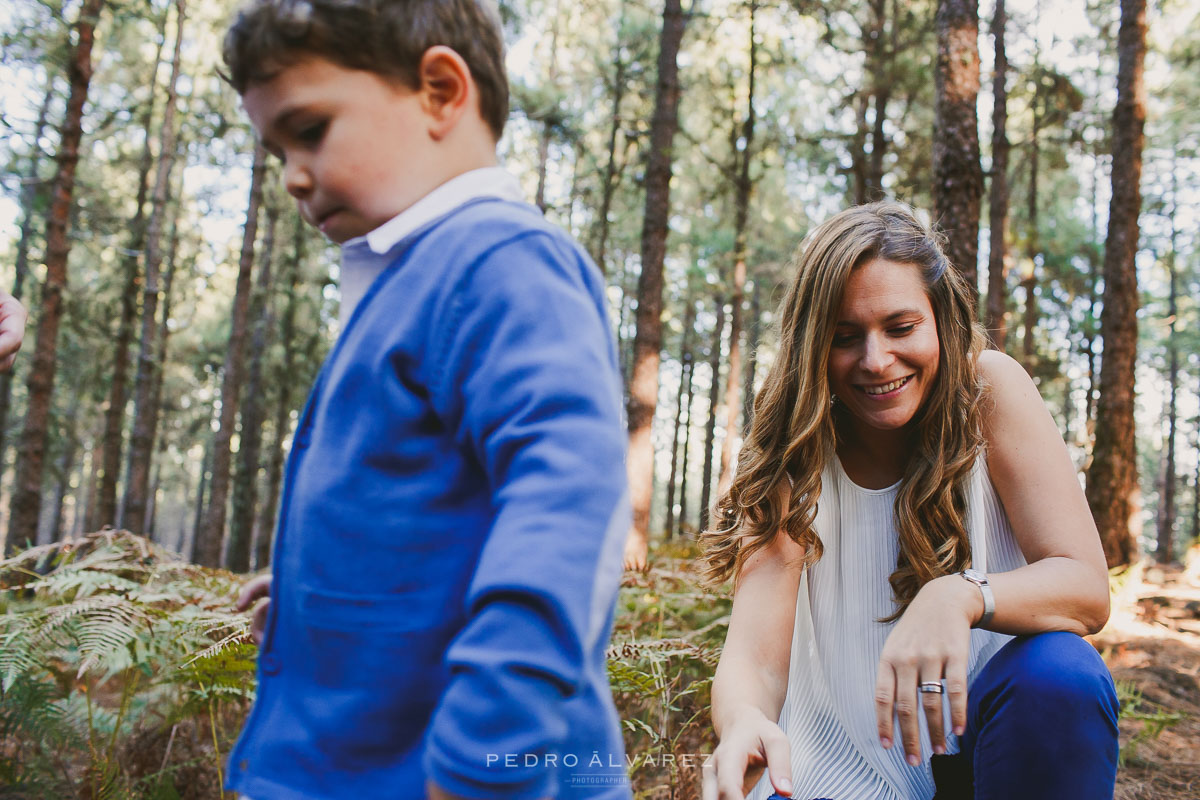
(364, 258)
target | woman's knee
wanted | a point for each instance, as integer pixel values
(1055, 668)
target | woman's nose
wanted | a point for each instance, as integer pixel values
(877, 356)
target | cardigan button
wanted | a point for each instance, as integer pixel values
(270, 664)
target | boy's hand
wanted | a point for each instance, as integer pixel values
(253, 591)
(12, 329)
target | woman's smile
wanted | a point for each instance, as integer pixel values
(886, 390)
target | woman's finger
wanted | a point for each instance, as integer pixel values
(885, 695)
(731, 771)
(956, 693)
(778, 751)
(907, 712)
(931, 691)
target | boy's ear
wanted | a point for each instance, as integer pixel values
(447, 88)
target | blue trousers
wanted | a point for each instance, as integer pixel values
(1041, 725)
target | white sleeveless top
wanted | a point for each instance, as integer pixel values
(829, 712)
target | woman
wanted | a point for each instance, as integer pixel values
(903, 508)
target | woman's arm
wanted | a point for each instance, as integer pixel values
(751, 679)
(1065, 586)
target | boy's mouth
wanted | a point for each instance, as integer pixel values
(325, 217)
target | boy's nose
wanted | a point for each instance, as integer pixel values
(296, 178)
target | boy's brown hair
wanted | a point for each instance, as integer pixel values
(387, 37)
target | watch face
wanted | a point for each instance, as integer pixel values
(974, 575)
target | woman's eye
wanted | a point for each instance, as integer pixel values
(903, 330)
(844, 340)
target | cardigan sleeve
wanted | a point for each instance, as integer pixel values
(528, 380)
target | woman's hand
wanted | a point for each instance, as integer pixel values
(931, 642)
(749, 744)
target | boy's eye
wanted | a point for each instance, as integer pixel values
(311, 134)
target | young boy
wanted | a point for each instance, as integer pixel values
(452, 522)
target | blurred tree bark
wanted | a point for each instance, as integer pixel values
(27, 491)
(210, 536)
(245, 485)
(685, 381)
(1164, 552)
(145, 406)
(957, 175)
(710, 428)
(1112, 483)
(744, 150)
(104, 512)
(997, 294)
(647, 344)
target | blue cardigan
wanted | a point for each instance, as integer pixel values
(450, 535)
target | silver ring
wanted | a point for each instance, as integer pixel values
(930, 687)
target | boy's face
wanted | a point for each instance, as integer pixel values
(356, 148)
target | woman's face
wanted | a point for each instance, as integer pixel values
(884, 358)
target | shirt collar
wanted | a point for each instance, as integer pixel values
(484, 182)
(364, 258)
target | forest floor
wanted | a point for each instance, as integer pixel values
(1152, 647)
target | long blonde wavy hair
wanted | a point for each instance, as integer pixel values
(794, 431)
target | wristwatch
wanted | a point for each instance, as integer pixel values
(989, 601)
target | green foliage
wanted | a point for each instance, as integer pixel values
(666, 643)
(1154, 722)
(108, 641)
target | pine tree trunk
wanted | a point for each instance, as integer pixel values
(1164, 553)
(105, 510)
(548, 123)
(29, 197)
(27, 493)
(611, 174)
(160, 358)
(245, 485)
(643, 385)
(1196, 482)
(858, 147)
(1030, 281)
(957, 175)
(687, 440)
(879, 57)
(997, 295)
(93, 482)
(733, 383)
(63, 469)
(753, 333)
(188, 550)
(685, 361)
(1112, 480)
(710, 430)
(209, 537)
(283, 406)
(145, 407)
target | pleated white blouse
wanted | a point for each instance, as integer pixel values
(829, 714)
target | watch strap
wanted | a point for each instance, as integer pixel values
(985, 589)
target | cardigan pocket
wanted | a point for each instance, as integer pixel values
(346, 611)
(375, 676)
